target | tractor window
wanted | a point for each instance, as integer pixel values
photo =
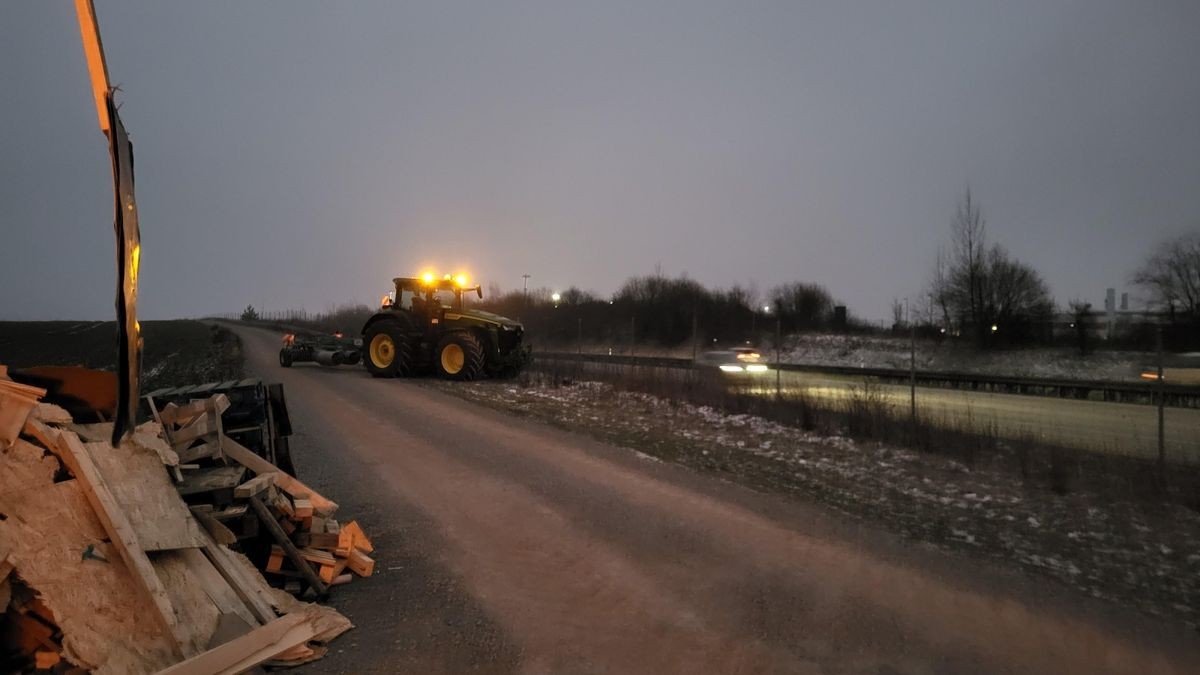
(446, 298)
(405, 299)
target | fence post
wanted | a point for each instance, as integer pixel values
(632, 335)
(912, 373)
(695, 335)
(1162, 397)
(778, 355)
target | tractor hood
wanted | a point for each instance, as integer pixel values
(486, 317)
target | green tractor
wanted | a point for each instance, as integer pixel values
(427, 327)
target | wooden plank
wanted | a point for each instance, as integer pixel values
(188, 455)
(93, 52)
(14, 410)
(188, 412)
(329, 573)
(351, 537)
(44, 659)
(208, 480)
(242, 455)
(247, 651)
(121, 532)
(255, 485)
(198, 429)
(166, 428)
(303, 507)
(231, 513)
(275, 562)
(216, 587)
(360, 563)
(284, 506)
(136, 477)
(216, 529)
(22, 390)
(326, 540)
(318, 556)
(268, 519)
(236, 576)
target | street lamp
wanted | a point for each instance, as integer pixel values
(556, 297)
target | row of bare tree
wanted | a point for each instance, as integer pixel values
(979, 290)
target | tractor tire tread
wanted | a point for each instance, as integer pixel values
(472, 351)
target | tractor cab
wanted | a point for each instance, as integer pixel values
(429, 297)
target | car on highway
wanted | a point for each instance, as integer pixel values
(734, 362)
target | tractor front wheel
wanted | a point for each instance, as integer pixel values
(385, 351)
(285, 358)
(459, 357)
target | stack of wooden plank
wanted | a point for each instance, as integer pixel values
(243, 499)
(105, 568)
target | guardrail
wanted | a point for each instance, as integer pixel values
(1178, 396)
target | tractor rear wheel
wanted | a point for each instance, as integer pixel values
(385, 350)
(285, 358)
(459, 356)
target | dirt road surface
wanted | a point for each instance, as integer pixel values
(507, 546)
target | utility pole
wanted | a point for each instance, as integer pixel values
(525, 294)
(580, 347)
(912, 372)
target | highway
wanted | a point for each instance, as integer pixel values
(1100, 426)
(504, 545)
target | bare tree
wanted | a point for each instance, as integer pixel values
(980, 287)
(802, 306)
(1172, 276)
(969, 240)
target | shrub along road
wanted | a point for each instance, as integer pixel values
(507, 545)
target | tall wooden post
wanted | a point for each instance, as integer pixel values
(912, 373)
(1162, 398)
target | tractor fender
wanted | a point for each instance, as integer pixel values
(405, 321)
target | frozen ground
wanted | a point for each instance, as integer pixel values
(1134, 552)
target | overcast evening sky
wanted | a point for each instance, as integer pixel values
(301, 154)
